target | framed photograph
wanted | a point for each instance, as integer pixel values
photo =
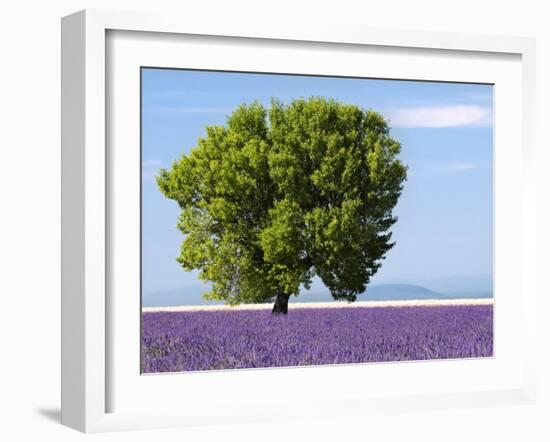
(258, 217)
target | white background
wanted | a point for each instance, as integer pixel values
(30, 221)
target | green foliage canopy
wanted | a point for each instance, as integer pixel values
(279, 195)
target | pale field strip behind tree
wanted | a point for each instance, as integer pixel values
(310, 305)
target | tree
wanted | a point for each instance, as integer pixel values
(279, 195)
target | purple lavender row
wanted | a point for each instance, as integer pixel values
(214, 340)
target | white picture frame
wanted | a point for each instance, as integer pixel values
(87, 316)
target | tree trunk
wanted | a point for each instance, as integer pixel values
(281, 304)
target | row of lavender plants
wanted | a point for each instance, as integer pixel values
(216, 340)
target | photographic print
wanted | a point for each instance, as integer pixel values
(297, 220)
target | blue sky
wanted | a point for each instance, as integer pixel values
(445, 225)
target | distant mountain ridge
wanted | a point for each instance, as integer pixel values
(192, 295)
(382, 292)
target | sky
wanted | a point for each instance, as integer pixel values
(445, 226)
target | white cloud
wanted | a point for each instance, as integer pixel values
(461, 167)
(422, 167)
(149, 169)
(190, 109)
(151, 163)
(442, 116)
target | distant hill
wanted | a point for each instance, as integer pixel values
(461, 286)
(379, 292)
(390, 292)
(192, 295)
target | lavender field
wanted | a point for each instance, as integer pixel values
(214, 340)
